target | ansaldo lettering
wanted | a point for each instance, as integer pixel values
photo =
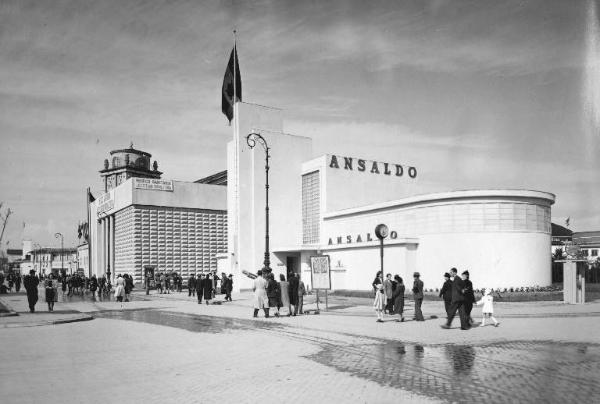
(372, 167)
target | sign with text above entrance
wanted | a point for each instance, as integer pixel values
(320, 272)
(106, 203)
(153, 184)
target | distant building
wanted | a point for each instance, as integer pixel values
(145, 221)
(51, 260)
(589, 241)
(560, 235)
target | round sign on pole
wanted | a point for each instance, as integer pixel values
(381, 231)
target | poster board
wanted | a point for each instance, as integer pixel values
(320, 272)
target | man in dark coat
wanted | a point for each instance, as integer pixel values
(446, 293)
(200, 287)
(293, 291)
(458, 301)
(31, 283)
(208, 288)
(228, 287)
(418, 296)
(469, 297)
(192, 286)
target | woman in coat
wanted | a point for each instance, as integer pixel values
(273, 293)
(285, 294)
(380, 301)
(120, 289)
(207, 288)
(398, 297)
(93, 285)
(261, 301)
(51, 292)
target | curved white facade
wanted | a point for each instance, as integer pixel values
(501, 236)
(331, 204)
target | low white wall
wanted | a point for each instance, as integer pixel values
(498, 260)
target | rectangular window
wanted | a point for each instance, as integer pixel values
(311, 208)
(594, 253)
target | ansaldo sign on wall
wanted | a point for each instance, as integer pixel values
(153, 184)
(369, 166)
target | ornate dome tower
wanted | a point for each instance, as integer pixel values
(125, 164)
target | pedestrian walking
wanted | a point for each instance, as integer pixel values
(207, 288)
(128, 286)
(192, 286)
(93, 285)
(120, 290)
(215, 279)
(51, 292)
(31, 283)
(18, 283)
(398, 298)
(161, 283)
(229, 287)
(200, 287)
(261, 301)
(388, 290)
(167, 284)
(469, 297)
(418, 296)
(179, 283)
(458, 301)
(293, 292)
(273, 293)
(285, 294)
(380, 301)
(487, 300)
(301, 293)
(446, 293)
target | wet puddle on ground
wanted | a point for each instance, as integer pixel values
(517, 371)
(189, 322)
(512, 371)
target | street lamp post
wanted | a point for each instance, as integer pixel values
(62, 240)
(252, 139)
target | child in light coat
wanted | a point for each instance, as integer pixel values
(488, 307)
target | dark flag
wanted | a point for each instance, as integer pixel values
(232, 85)
(90, 197)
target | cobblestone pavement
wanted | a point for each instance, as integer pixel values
(204, 351)
(515, 371)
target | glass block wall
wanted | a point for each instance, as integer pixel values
(171, 239)
(311, 207)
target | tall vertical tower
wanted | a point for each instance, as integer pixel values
(125, 164)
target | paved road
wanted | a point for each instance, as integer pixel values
(168, 349)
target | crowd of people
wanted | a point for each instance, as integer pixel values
(457, 293)
(208, 285)
(8, 282)
(284, 297)
(269, 293)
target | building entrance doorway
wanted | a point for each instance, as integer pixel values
(292, 266)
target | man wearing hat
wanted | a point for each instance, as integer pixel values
(228, 287)
(418, 296)
(458, 301)
(446, 293)
(31, 283)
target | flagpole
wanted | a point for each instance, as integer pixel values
(234, 67)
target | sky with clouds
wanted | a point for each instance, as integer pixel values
(475, 94)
